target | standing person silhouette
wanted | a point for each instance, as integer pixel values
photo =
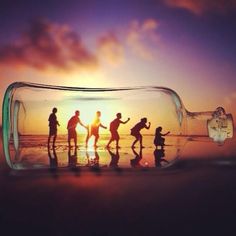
(135, 131)
(71, 126)
(94, 129)
(53, 123)
(114, 125)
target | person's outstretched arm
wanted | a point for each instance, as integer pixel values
(103, 126)
(86, 127)
(124, 122)
(165, 133)
(148, 126)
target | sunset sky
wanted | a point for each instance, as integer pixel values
(186, 45)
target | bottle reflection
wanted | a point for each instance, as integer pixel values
(93, 158)
(137, 158)
(52, 155)
(114, 158)
(72, 158)
(159, 155)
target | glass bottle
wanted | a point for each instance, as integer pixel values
(174, 133)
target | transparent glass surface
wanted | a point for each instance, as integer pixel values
(183, 134)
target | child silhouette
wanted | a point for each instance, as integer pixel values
(159, 141)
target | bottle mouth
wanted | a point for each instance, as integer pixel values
(220, 126)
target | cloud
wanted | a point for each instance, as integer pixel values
(111, 49)
(141, 35)
(47, 45)
(199, 7)
(137, 37)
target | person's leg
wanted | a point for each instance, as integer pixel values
(117, 140)
(96, 140)
(87, 139)
(69, 142)
(141, 141)
(75, 140)
(49, 138)
(135, 141)
(54, 140)
(117, 143)
(109, 142)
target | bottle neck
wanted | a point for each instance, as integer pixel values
(204, 115)
(214, 124)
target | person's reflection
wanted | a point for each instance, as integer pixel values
(137, 158)
(114, 158)
(159, 155)
(52, 155)
(72, 157)
(93, 158)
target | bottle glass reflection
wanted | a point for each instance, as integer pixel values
(27, 106)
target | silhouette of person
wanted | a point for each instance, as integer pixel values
(114, 125)
(135, 131)
(158, 140)
(94, 129)
(71, 127)
(53, 161)
(53, 123)
(138, 157)
(114, 158)
(159, 154)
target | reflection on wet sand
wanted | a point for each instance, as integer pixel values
(114, 157)
(137, 158)
(72, 158)
(93, 158)
(53, 160)
(159, 155)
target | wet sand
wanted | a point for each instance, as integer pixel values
(34, 153)
(193, 198)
